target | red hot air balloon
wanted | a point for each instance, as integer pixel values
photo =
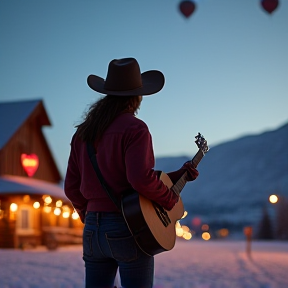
(269, 5)
(187, 8)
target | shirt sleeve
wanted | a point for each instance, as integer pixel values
(139, 160)
(72, 183)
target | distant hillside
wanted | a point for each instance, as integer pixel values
(236, 179)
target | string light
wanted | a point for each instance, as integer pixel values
(47, 199)
(13, 207)
(75, 215)
(36, 205)
(59, 203)
(57, 211)
(66, 214)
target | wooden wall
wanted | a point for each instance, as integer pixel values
(29, 139)
(7, 226)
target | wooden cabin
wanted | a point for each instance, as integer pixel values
(33, 207)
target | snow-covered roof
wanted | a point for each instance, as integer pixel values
(23, 185)
(13, 115)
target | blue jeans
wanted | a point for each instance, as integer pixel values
(107, 245)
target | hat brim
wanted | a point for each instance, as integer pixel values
(152, 82)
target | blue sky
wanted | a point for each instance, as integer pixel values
(226, 67)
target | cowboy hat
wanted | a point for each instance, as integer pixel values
(125, 79)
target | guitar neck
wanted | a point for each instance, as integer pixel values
(179, 185)
(197, 158)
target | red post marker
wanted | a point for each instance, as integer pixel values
(248, 232)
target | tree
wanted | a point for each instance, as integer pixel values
(265, 231)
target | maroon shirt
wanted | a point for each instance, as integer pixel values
(126, 159)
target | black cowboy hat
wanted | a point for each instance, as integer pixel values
(125, 79)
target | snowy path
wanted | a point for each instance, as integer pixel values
(193, 264)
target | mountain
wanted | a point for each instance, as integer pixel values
(236, 179)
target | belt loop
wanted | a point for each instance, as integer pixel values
(98, 217)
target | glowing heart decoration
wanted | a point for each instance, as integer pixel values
(187, 8)
(30, 163)
(269, 5)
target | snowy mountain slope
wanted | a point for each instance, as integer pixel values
(236, 179)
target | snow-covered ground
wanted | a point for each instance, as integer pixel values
(193, 264)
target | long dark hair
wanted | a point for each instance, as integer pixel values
(102, 113)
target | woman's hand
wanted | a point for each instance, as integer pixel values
(192, 173)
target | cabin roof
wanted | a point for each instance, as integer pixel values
(23, 185)
(14, 114)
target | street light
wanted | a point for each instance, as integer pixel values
(281, 217)
(273, 199)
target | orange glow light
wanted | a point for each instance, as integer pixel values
(223, 232)
(66, 214)
(179, 232)
(48, 200)
(59, 203)
(47, 209)
(185, 228)
(206, 236)
(13, 207)
(75, 215)
(187, 236)
(205, 227)
(57, 211)
(36, 205)
(184, 215)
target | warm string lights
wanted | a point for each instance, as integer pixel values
(57, 210)
(186, 233)
(183, 231)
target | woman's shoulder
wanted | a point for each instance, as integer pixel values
(132, 121)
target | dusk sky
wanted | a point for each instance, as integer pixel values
(226, 67)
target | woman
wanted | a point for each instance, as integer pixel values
(125, 157)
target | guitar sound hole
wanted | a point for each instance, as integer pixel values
(162, 214)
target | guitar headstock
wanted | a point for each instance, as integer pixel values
(201, 143)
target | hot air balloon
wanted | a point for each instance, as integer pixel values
(269, 5)
(187, 8)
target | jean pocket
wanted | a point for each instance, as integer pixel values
(87, 242)
(122, 248)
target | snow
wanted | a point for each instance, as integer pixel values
(193, 264)
(24, 185)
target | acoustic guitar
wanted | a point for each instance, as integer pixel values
(151, 225)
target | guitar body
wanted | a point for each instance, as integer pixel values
(151, 225)
(149, 231)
